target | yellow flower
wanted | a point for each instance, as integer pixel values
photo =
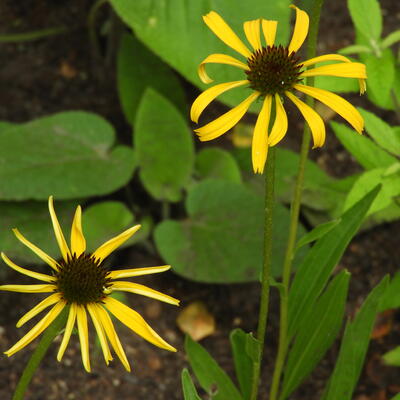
(81, 282)
(273, 72)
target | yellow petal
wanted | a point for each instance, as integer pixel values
(300, 29)
(129, 273)
(144, 291)
(83, 335)
(325, 57)
(218, 59)
(260, 137)
(58, 232)
(314, 121)
(40, 253)
(337, 103)
(134, 321)
(226, 121)
(280, 126)
(47, 302)
(29, 288)
(209, 95)
(68, 330)
(37, 329)
(252, 31)
(108, 326)
(32, 274)
(108, 247)
(344, 70)
(78, 242)
(269, 30)
(100, 333)
(222, 30)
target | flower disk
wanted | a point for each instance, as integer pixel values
(273, 70)
(82, 280)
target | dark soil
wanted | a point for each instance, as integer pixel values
(63, 73)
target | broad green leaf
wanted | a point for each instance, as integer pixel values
(397, 397)
(5, 125)
(354, 49)
(69, 155)
(366, 152)
(243, 362)
(317, 233)
(163, 146)
(316, 334)
(189, 390)
(209, 374)
(137, 69)
(336, 84)
(367, 17)
(391, 297)
(175, 31)
(354, 347)
(221, 241)
(392, 357)
(217, 163)
(319, 263)
(391, 39)
(382, 133)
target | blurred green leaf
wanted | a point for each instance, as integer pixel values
(317, 233)
(392, 357)
(397, 397)
(316, 334)
(367, 17)
(391, 39)
(163, 146)
(391, 297)
(354, 347)
(189, 390)
(69, 155)
(209, 374)
(355, 49)
(137, 69)
(336, 84)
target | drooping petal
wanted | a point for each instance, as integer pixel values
(222, 30)
(78, 242)
(337, 103)
(68, 330)
(144, 291)
(300, 29)
(58, 232)
(129, 273)
(47, 302)
(314, 121)
(83, 335)
(37, 329)
(218, 59)
(135, 321)
(108, 326)
(100, 333)
(280, 126)
(108, 247)
(209, 95)
(32, 274)
(40, 253)
(252, 32)
(226, 121)
(29, 288)
(259, 147)
(325, 57)
(269, 30)
(344, 70)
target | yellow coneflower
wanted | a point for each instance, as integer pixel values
(271, 73)
(81, 282)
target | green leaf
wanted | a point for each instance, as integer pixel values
(164, 147)
(355, 49)
(174, 30)
(319, 263)
(189, 390)
(316, 334)
(391, 297)
(390, 39)
(392, 357)
(367, 17)
(69, 155)
(5, 125)
(209, 374)
(216, 163)
(317, 233)
(354, 347)
(397, 397)
(382, 133)
(221, 241)
(137, 69)
(366, 152)
(243, 362)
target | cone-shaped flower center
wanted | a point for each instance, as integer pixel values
(82, 279)
(273, 70)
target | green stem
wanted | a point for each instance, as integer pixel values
(48, 336)
(29, 36)
(265, 278)
(294, 217)
(91, 23)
